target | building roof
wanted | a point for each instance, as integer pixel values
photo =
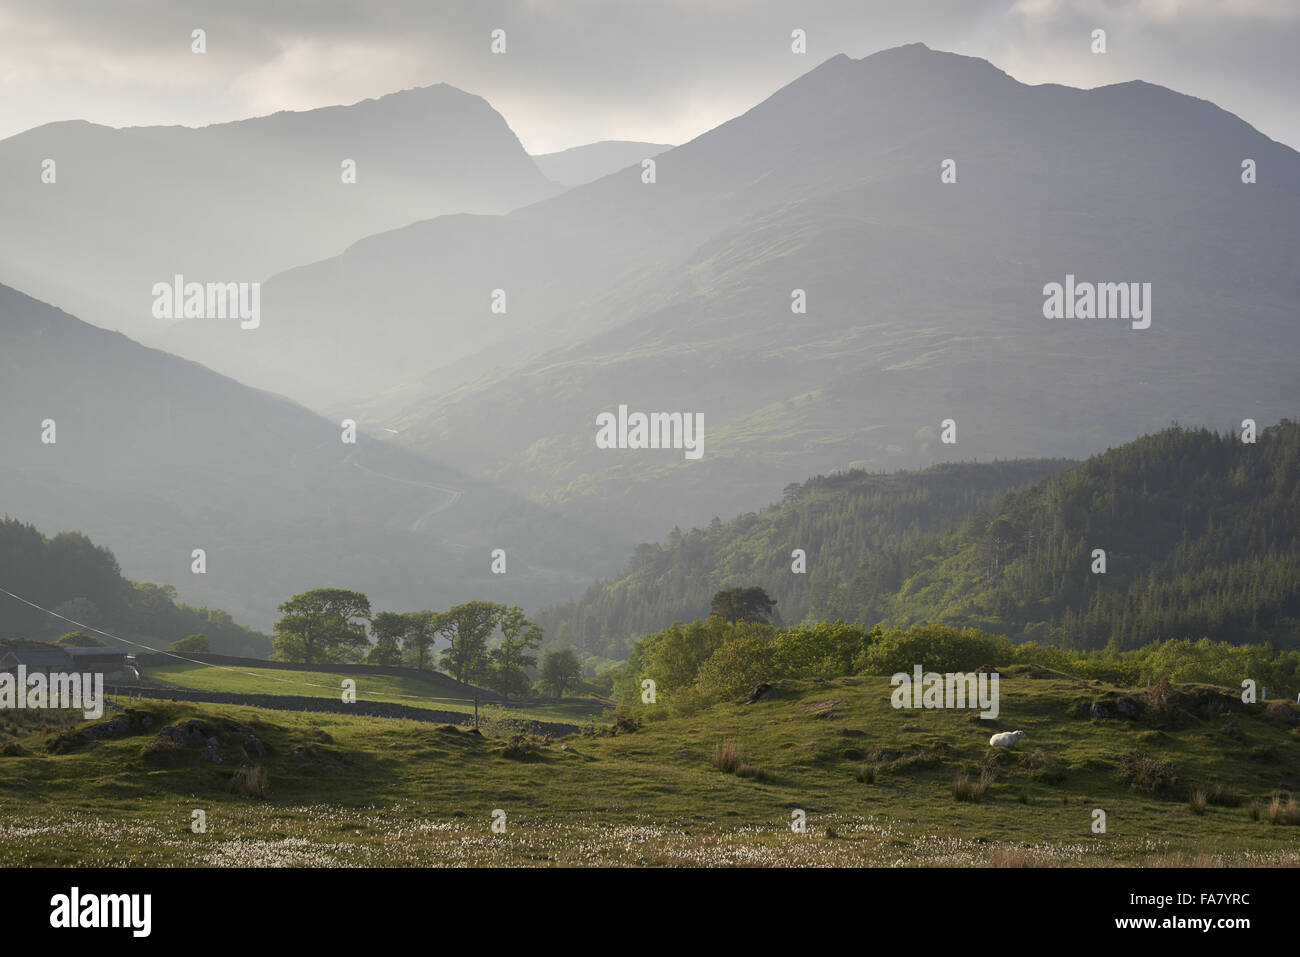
(93, 653)
(36, 658)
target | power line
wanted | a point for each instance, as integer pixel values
(206, 664)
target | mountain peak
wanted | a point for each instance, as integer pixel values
(920, 56)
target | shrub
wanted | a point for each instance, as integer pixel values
(937, 648)
(496, 721)
(1147, 774)
(673, 656)
(79, 639)
(735, 668)
(191, 643)
(625, 724)
(520, 747)
(1039, 760)
(1042, 767)
(1282, 712)
(824, 650)
(1160, 698)
(1197, 802)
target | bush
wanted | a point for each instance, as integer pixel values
(496, 721)
(1146, 774)
(195, 644)
(937, 648)
(79, 639)
(672, 657)
(732, 671)
(1161, 699)
(625, 724)
(1283, 712)
(823, 650)
(520, 747)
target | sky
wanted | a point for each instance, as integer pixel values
(579, 71)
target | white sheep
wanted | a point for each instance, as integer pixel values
(1006, 739)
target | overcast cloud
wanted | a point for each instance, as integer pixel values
(577, 71)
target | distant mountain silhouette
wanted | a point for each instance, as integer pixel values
(583, 164)
(154, 456)
(238, 202)
(924, 299)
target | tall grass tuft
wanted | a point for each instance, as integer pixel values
(727, 756)
(964, 789)
(1283, 810)
(728, 759)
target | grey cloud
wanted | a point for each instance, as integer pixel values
(582, 70)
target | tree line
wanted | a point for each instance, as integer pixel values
(337, 625)
(1200, 530)
(1200, 533)
(838, 521)
(706, 661)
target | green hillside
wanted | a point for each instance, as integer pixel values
(837, 520)
(1201, 534)
(878, 786)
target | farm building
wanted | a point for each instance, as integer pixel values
(112, 663)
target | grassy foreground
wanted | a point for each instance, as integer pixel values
(878, 786)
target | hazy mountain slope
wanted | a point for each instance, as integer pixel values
(77, 579)
(839, 521)
(583, 164)
(238, 202)
(924, 299)
(159, 456)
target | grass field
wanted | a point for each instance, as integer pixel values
(394, 689)
(877, 787)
